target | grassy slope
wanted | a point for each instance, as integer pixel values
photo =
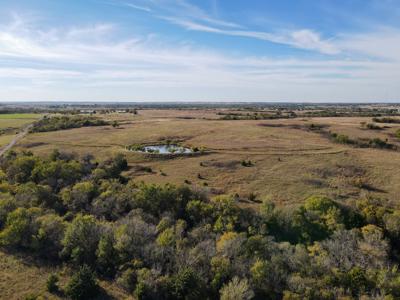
(21, 276)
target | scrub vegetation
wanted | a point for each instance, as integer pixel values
(175, 242)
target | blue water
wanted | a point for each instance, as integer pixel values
(167, 149)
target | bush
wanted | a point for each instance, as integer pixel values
(82, 285)
(386, 120)
(372, 126)
(237, 289)
(128, 280)
(52, 283)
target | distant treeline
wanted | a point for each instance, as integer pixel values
(257, 115)
(55, 123)
(281, 113)
(362, 143)
(351, 113)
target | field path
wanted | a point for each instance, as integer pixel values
(19, 136)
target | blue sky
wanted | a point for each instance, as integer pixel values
(204, 50)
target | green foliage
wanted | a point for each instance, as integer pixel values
(107, 256)
(226, 212)
(386, 120)
(55, 123)
(52, 283)
(159, 199)
(50, 233)
(82, 285)
(7, 205)
(81, 240)
(221, 270)
(79, 197)
(317, 219)
(186, 285)
(128, 280)
(237, 289)
(20, 227)
(362, 143)
(166, 238)
(341, 139)
(21, 168)
(169, 242)
(372, 126)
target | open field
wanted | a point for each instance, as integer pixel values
(289, 161)
(10, 124)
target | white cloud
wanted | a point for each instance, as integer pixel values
(89, 63)
(143, 8)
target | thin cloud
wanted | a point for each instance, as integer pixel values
(138, 7)
(302, 39)
(191, 17)
(179, 8)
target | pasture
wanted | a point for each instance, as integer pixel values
(10, 124)
(289, 161)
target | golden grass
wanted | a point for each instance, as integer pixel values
(288, 159)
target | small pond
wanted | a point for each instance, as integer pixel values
(165, 149)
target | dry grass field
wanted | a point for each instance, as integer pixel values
(10, 124)
(289, 161)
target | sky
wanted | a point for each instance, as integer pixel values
(203, 50)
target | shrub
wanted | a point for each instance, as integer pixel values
(372, 126)
(127, 280)
(82, 285)
(52, 283)
(237, 289)
(386, 120)
(246, 163)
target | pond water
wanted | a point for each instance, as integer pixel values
(166, 149)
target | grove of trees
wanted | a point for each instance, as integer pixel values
(62, 122)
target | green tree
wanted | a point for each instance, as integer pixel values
(20, 227)
(186, 285)
(21, 168)
(107, 256)
(79, 197)
(237, 289)
(81, 240)
(82, 285)
(48, 239)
